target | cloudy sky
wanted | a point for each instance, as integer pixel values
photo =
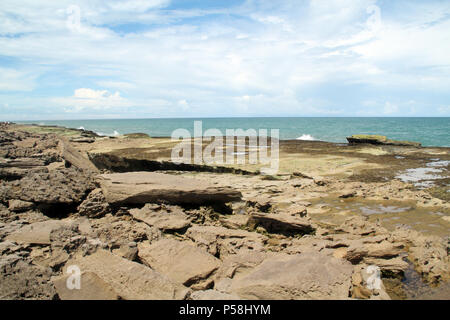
(205, 58)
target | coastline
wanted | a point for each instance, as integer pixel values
(427, 131)
(91, 201)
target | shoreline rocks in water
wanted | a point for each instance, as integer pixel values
(380, 140)
(192, 235)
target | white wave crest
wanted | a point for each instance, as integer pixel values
(81, 128)
(102, 134)
(306, 137)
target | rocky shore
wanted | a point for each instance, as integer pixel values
(140, 227)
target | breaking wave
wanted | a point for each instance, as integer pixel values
(306, 137)
(114, 134)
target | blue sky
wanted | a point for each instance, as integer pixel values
(207, 58)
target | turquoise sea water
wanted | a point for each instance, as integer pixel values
(428, 131)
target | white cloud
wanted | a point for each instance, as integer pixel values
(273, 54)
(85, 98)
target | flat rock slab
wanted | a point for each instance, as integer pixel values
(129, 280)
(301, 276)
(180, 261)
(164, 220)
(91, 288)
(281, 223)
(148, 187)
(220, 241)
(38, 232)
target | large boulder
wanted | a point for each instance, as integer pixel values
(146, 187)
(310, 275)
(180, 261)
(129, 280)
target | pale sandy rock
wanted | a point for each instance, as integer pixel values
(130, 280)
(180, 261)
(429, 254)
(297, 210)
(39, 232)
(235, 221)
(392, 267)
(128, 251)
(167, 219)
(116, 231)
(302, 276)
(220, 241)
(239, 264)
(146, 187)
(359, 225)
(92, 287)
(384, 250)
(19, 205)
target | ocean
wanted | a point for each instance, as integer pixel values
(428, 131)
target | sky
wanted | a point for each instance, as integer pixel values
(208, 58)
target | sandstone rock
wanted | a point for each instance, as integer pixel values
(38, 233)
(384, 250)
(94, 205)
(74, 157)
(21, 163)
(60, 186)
(128, 251)
(221, 241)
(91, 288)
(20, 279)
(146, 187)
(239, 264)
(115, 231)
(379, 140)
(281, 223)
(129, 280)
(429, 254)
(389, 267)
(358, 225)
(180, 261)
(235, 221)
(297, 210)
(20, 206)
(302, 276)
(347, 194)
(163, 218)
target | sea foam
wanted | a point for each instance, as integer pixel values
(306, 137)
